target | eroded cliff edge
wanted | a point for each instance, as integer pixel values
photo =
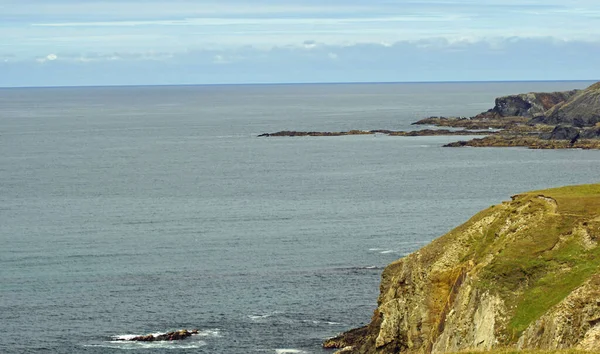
(522, 274)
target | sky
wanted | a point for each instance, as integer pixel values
(133, 42)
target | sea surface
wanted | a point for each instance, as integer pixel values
(135, 210)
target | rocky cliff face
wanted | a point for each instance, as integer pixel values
(528, 105)
(582, 109)
(523, 274)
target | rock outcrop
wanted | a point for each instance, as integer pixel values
(580, 110)
(169, 336)
(527, 105)
(523, 274)
(555, 120)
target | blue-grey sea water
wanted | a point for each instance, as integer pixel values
(134, 210)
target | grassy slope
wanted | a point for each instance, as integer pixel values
(541, 258)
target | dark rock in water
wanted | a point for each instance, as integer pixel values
(175, 335)
(347, 339)
(459, 143)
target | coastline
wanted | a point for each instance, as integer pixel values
(555, 120)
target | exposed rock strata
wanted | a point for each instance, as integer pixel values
(523, 274)
(581, 110)
(527, 105)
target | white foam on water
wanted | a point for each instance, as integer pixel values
(316, 322)
(124, 342)
(128, 337)
(125, 337)
(288, 351)
(213, 333)
(387, 252)
(375, 249)
(257, 317)
(166, 345)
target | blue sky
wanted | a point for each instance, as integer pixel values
(114, 42)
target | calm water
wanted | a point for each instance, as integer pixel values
(139, 210)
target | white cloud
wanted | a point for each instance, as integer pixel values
(49, 57)
(180, 25)
(210, 21)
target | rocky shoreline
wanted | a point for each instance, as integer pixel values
(555, 120)
(424, 132)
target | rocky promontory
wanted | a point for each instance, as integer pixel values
(524, 274)
(557, 120)
(537, 120)
(528, 105)
(581, 110)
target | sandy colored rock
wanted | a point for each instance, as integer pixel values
(523, 275)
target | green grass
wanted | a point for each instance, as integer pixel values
(537, 266)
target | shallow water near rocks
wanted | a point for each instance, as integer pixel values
(138, 210)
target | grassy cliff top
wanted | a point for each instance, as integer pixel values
(524, 273)
(536, 249)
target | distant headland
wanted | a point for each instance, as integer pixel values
(537, 120)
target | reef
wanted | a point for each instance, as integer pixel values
(169, 336)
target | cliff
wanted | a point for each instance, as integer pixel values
(581, 109)
(520, 275)
(528, 105)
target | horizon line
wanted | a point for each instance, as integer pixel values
(296, 83)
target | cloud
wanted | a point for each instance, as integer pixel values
(49, 57)
(334, 35)
(423, 60)
(211, 21)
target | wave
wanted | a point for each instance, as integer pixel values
(278, 316)
(256, 317)
(166, 345)
(123, 341)
(288, 351)
(215, 333)
(316, 322)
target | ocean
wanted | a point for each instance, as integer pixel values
(135, 210)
